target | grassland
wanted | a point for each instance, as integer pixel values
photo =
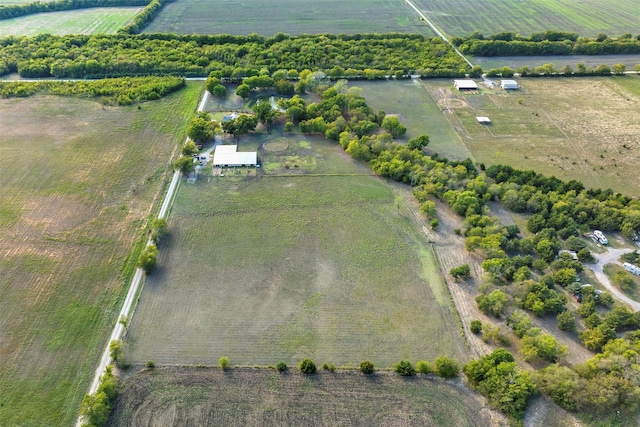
(287, 16)
(559, 61)
(84, 21)
(584, 129)
(78, 181)
(587, 17)
(201, 396)
(318, 261)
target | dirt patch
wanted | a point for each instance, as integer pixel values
(263, 397)
(276, 146)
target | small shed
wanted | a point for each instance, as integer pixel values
(466, 84)
(483, 120)
(509, 84)
(227, 155)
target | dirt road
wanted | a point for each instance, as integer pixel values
(611, 257)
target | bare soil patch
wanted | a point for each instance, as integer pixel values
(263, 397)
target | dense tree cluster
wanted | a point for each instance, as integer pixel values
(498, 377)
(546, 43)
(231, 57)
(607, 382)
(121, 91)
(17, 10)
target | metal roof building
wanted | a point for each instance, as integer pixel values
(509, 84)
(227, 155)
(466, 84)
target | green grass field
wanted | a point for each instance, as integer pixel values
(582, 129)
(292, 266)
(85, 21)
(78, 182)
(287, 16)
(586, 17)
(199, 396)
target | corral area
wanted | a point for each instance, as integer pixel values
(106, 20)
(78, 181)
(586, 17)
(315, 259)
(261, 397)
(585, 129)
(287, 16)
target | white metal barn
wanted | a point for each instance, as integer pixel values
(466, 84)
(227, 155)
(509, 84)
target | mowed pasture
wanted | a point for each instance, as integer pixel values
(260, 397)
(104, 20)
(586, 17)
(78, 181)
(287, 16)
(315, 259)
(584, 129)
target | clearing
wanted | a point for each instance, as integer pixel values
(78, 181)
(584, 129)
(105, 20)
(586, 17)
(316, 259)
(287, 16)
(261, 397)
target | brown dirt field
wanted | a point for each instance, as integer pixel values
(264, 397)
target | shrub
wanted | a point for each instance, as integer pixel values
(434, 223)
(115, 351)
(148, 258)
(281, 366)
(405, 368)
(223, 363)
(307, 367)
(423, 367)
(150, 364)
(446, 367)
(566, 321)
(329, 367)
(460, 272)
(476, 326)
(367, 368)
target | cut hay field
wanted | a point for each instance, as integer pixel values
(586, 17)
(326, 265)
(287, 16)
(106, 20)
(260, 397)
(78, 180)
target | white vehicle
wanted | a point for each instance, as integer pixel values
(601, 237)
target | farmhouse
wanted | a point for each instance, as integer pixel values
(466, 84)
(509, 84)
(227, 155)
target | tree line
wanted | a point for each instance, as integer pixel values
(118, 91)
(235, 58)
(546, 43)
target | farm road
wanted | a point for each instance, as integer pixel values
(611, 257)
(136, 284)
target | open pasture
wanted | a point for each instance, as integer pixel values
(78, 181)
(105, 20)
(586, 17)
(584, 129)
(287, 16)
(291, 265)
(260, 397)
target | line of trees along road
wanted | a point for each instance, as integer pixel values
(234, 57)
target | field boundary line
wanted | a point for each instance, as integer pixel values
(437, 31)
(137, 283)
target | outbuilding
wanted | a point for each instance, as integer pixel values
(228, 155)
(466, 84)
(483, 120)
(509, 84)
